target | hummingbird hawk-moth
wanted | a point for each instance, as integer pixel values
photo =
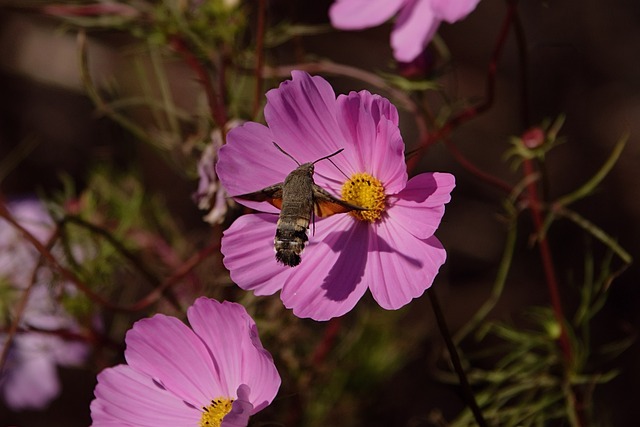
(298, 198)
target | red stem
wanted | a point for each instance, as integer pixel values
(13, 328)
(68, 275)
(552, 284)
(474, 170)
(490, 87)
(328, 339)
(547, 262)
(216, 104)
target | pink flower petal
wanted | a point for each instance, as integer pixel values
(329, 282)
(241, 409)
(400, 267)
(268, 165)
(125, 397)
(453, 10)
(420, 206)
(415, 26)
(301, 114)
(360, 14)
(249, 254)
(165, 349)
(232, 336)
(371, 123)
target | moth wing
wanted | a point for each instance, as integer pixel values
(271, 194)
(325, 204)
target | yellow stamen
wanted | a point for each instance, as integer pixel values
(213, 414)
(366, 191)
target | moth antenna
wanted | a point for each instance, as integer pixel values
(327, 157)
(345, 175)
(287, 154)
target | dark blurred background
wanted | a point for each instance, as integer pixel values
(583, 60)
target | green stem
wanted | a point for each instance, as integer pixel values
(588, 187)
(498, 286)
(455, 360)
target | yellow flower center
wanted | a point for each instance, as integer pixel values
(365, 191)
(213, 414)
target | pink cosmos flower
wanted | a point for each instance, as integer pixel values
(215, 373)
(416, 20)
(390, 249)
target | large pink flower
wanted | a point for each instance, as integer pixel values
(215, 373)
(416, 23)
(390, 249)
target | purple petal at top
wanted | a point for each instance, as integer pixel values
(231, 334)
(418, 208)
(359, 14)
(329, 281)
(249, 254)
(360, 116)
(251, 144)
(166, 349)
(400, 266)
(127, 397)
(415, 26)
(301, 114)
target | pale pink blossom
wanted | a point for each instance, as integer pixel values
(416, 20)
(215, 371)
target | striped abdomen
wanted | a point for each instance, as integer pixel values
(295, 215)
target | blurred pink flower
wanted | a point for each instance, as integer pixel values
(18, 258)
(215, 373)
(416, 20)
(30, 378)
(210, 196)
(390, 249)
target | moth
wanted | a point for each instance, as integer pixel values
(298, 198)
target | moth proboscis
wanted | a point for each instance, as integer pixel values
(298, 197)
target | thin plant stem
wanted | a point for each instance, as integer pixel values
(152, 297)
(489, 96)
(13, 328)
(596, 232)
(328, 341)
(130, 256)
(217, 109)
(588, 187)
(165, 90)
(12, 160)
(94, 94)
(455, 360)
(576, 415)
(474, 170)
(498, 286)
(547, 262)
(257, 100)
